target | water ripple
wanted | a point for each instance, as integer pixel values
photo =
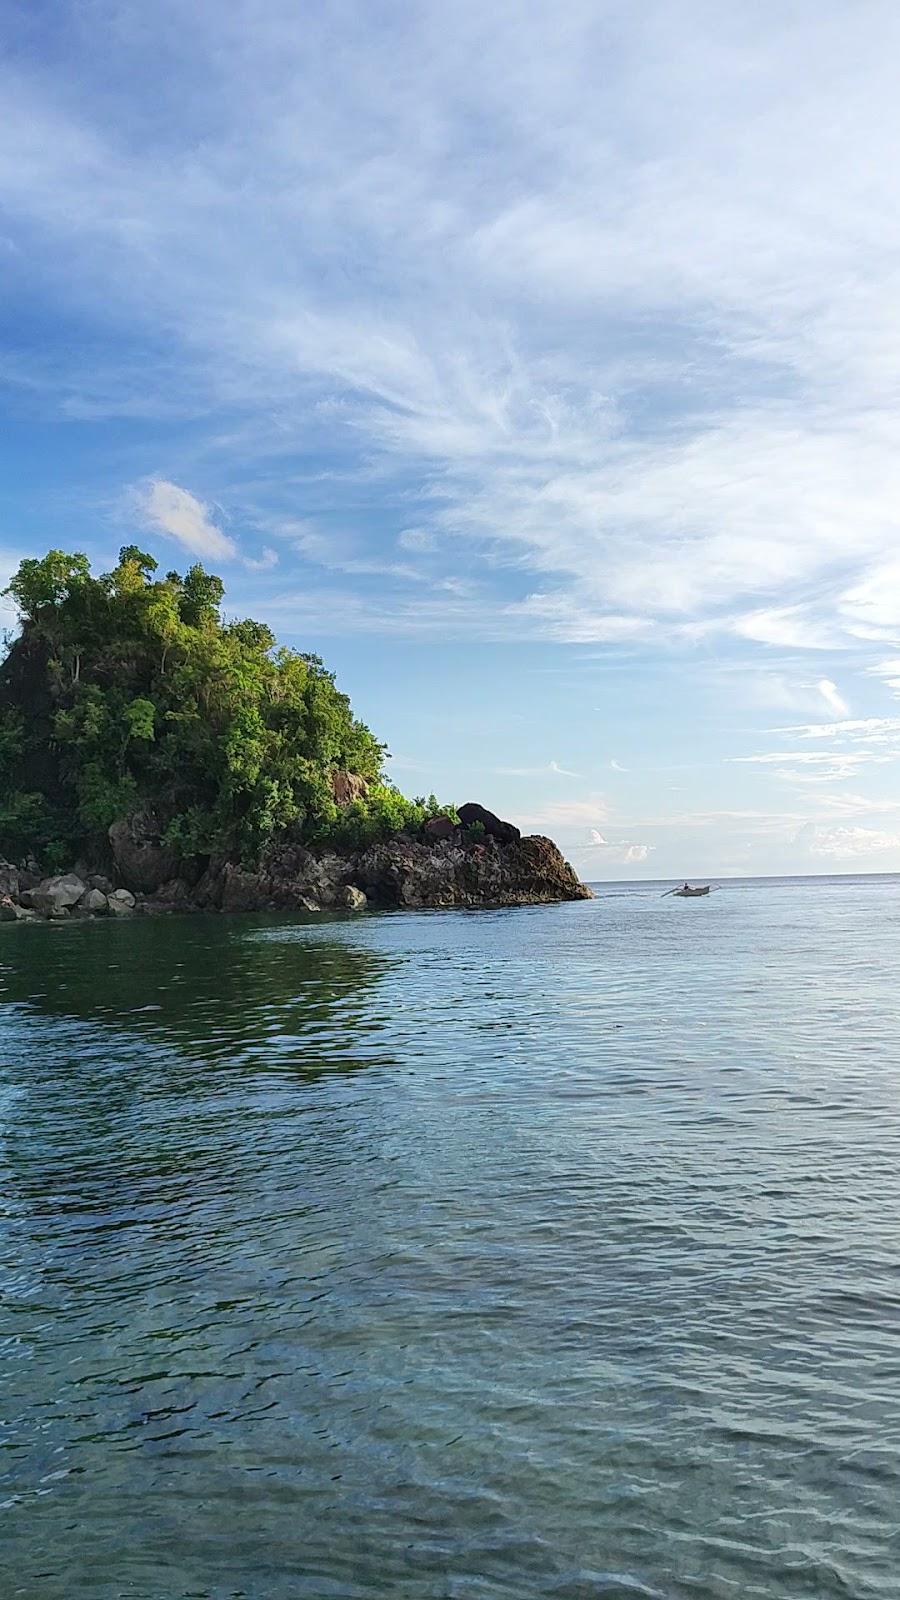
(549, 1252)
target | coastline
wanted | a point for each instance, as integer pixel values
(457, 870)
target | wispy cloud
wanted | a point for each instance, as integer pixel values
(620, 850)
(848, 844)
(263, 563)
(808, 766)
(552, 769)
(832, 697)
(626, 351)
(175, 512)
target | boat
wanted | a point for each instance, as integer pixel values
(685, 892)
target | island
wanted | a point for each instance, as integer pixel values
(155, 757)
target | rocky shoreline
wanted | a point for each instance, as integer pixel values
(481, 862)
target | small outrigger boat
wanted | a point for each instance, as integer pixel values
(685, 892)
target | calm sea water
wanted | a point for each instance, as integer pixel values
(547, 1252)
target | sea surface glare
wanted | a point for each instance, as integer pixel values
(451, 1256)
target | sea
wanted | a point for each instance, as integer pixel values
(455, 1255)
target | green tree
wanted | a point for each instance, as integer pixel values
(127, 689)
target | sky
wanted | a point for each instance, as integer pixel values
(536, 364)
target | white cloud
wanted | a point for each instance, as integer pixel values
(552, 769)
(635, 350)
(860, 730)
(832, 697)
(175, 512)
(849, 844)
(263, 563)
(820, 766)
(568, 813)
(619, 850)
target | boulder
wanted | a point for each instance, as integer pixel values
(504, 832)
(173, 896)
(351, 897)
(57, 896)
(347, 786)
(93, 903)
(9, 880)
(120, 903)
(438, 828)
(239, 890)
(143, 862)
(9, 912)
(98, 881)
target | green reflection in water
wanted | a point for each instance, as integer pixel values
(216, 992)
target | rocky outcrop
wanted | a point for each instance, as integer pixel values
(143, 862)
(59, 898)
(450, 865)
(347, 786)
(457, 872)
(473, 815)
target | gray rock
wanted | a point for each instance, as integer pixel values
(142, 860)
(120, 903)
(57, 895)
(437, 828)
(352, 898)
(9, 880)
(98, 881)
(8, 911)
(93, 904)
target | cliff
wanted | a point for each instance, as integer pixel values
(459, 870)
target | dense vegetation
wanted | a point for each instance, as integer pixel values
(127, 690)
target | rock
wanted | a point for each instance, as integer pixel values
(172, 896)
(525, 872)
(437, 828)
(243, 891)
(93, 903)
(351, 897)
(347, 786)
(56, 896)
(9, 881)
(97, 881)
(120, 903)
(493, 827)
(143, 862)
(9, 912)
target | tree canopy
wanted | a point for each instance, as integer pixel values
(127, 689)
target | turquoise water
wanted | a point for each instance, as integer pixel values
(546, 1252)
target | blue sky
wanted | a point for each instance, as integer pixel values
(537, 364)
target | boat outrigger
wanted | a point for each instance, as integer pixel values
(685, 892)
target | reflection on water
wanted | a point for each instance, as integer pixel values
(541, 1252)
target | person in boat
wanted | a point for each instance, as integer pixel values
(685, 886)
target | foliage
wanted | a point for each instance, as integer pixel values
(382, 812)
(126, 689)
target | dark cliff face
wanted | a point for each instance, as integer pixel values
(401, 872)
